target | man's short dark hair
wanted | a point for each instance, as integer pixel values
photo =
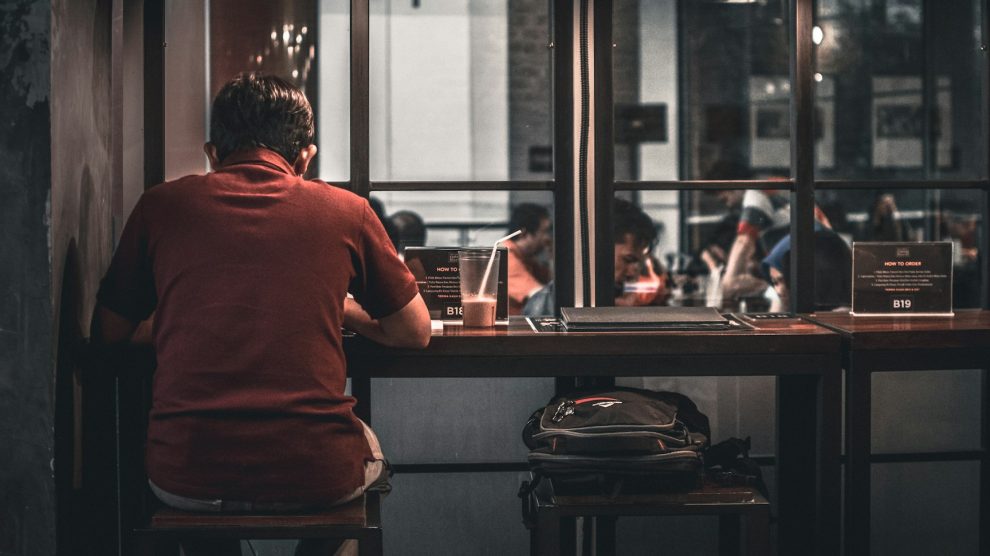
(257, 110)
(628, 219)
(527, 217)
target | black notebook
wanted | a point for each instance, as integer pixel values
(579, 319)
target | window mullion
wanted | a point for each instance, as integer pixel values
(360, 98)
(802, 279)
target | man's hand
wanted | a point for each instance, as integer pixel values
(408, 327)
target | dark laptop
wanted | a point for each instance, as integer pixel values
(590, 319)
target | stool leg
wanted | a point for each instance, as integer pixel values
(758, 533)
(144, 545)
(568, 535)
(729, 531)
(207, 547)
(371, 544)
(605, 535)
(545, 540)
(587, 534)
(166, 547)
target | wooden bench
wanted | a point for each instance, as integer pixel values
(744, 517)
(360, 519)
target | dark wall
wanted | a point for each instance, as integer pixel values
(80, 123)
(27, 500)
(81, 242)
(55, 241)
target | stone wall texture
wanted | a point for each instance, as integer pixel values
(27, 500)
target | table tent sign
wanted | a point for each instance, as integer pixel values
(902, 278)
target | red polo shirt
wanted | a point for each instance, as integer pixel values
(246, 269)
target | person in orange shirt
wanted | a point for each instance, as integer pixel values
(527, 271)
(639, 278)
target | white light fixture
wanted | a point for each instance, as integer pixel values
(817, 35)
(818, 77)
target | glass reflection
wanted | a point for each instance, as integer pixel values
(700, 87)
(255, 35)
(724, 237)
(479, 219)
(898, 96)
(916, 215)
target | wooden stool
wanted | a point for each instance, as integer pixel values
(359, 519)
(554, 516)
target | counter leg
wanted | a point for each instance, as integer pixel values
(797, 440)
(830, 462)
(985, 465)
(858, 412)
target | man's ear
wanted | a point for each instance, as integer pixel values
(211, 153)
(305, 156)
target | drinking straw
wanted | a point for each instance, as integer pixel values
(491, 259)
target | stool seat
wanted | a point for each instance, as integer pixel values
(744, 516)
(359, 519)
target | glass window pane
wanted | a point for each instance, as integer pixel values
(915, 215)
(724, 237)
(274, 37)
(900, 97)
(333, 109)
(460, 90)
(701, 90)
(187, 89)
(479, 219)
(303, 41)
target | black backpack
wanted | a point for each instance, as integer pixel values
(617, 440)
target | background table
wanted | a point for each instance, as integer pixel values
(805, 358)
(876, 344)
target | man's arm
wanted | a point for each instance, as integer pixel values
(737, 281)
(408, 327)
(109, 328)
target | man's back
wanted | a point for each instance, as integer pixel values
(248, 268)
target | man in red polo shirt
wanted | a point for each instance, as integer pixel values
(247, 271)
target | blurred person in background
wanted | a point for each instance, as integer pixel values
(884, 223)
(529, 270)
(409, 228)
(833, 272)
(640, 279)
(635, 235)
(765, 218)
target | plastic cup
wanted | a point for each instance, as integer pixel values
(478, 300)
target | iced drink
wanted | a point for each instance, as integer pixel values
(479, 286)
(478, 311)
